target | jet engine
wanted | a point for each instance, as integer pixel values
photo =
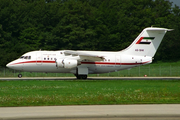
(66, 63)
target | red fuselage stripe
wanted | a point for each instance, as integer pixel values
(107, 63)
(97, 63)
(33, 62)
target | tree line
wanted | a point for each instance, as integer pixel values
(103, 25)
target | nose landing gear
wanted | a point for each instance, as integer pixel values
(19, 75)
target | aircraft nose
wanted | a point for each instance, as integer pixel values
(9, 65)
(16, 65)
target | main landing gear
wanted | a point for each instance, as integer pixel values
(81, 73)
(81, 76)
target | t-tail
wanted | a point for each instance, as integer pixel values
(147, 43)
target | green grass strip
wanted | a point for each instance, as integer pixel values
(89, 92)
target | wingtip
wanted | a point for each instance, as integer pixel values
(170, 29)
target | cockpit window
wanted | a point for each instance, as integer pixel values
(25, 57)
(21, 57)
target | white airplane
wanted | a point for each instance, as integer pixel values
(82, 63)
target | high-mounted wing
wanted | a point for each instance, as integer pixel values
(84, 55)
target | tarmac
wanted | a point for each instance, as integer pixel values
(89, 112)
(90, 78)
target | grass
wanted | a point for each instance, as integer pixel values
(88, 92)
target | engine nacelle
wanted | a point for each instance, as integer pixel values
(66, 63)
(70, 63)
(59, 63)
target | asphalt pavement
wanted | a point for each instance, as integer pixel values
(89, 112)
(90, 78)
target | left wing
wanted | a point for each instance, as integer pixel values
(84, 55)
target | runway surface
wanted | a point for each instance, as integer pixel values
(89, 112)
(90, 78)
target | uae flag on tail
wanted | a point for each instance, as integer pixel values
(145, 40)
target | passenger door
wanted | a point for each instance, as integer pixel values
(118, 61)
(39, 59)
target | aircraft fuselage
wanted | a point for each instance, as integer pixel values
(45, 61)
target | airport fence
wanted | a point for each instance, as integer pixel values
(148, 70)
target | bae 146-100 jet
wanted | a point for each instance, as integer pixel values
(82, 63)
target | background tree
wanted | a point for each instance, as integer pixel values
(109, 25)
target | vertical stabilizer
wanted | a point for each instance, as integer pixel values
(147, 43)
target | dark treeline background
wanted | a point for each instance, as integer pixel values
(103, 25)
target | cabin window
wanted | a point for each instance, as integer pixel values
(108, 59)
(44, 58)
(47, 58)
(51, 59)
